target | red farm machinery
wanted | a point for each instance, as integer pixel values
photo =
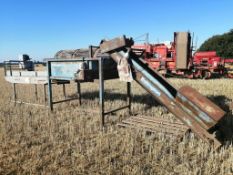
(176, 59)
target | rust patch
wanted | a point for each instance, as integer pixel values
(212, 110)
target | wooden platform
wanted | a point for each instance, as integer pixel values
(156, 125)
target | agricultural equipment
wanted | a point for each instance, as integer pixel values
(175, 58)
(194, 111)
(228, 64)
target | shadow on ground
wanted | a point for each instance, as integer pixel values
(145, 99)
(224, 126)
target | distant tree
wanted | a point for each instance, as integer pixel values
(222, 44)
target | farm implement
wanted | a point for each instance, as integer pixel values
(117, 59)
(175, 58)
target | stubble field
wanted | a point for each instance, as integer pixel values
(69, 140)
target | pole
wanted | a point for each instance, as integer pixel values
(45, 95)
(50, 91)
(14, 92)
(101, 92)
(36, 92)
(129, 97)
(79, 93)
(64, 90)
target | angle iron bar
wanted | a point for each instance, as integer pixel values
(54, 60)
(115, 110)
(65, 100)
(28, 103)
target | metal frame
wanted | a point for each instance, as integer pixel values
(8, 66)
(16, 100)
(101, 96)
(51, 78)
(48, 96)
(101, 88)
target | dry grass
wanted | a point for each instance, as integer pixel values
(68, 141)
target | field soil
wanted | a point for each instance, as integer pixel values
(69, 140)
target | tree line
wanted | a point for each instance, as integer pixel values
(222, 44)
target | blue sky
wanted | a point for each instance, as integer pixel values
(42, 27)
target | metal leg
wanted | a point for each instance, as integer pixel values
(64, 90)
(129, 98)
(14, 93)
(101, 92)
(50, 90)
(79, 93)
(45, 94)
(36, 92)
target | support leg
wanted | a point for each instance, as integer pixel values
(45, 94)
(50, 89)
(101, 93)
(129, 97)
(79, 93)
(64, 90)
(14, 93)
(36, 92)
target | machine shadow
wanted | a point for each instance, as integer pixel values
(225, 125)
(145, 99)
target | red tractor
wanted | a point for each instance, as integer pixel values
(175, 58)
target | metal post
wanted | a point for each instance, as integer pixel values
(129, 97)
(64, 90)
(36, 93)
(50, 90)
(45, 95)
(101, 92)
(5, 68)
(10, 70)
(14, 92)
(79, 93)
(90, 51)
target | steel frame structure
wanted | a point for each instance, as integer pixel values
(101, 77)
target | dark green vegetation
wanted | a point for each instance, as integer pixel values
(223, 44)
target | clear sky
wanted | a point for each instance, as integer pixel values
(42, 27)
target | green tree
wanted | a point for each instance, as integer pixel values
(222, 44)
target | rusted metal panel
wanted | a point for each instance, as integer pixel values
(115, 44)
(203, 103)
(182, 41)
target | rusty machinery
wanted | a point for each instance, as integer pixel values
(194, 111)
